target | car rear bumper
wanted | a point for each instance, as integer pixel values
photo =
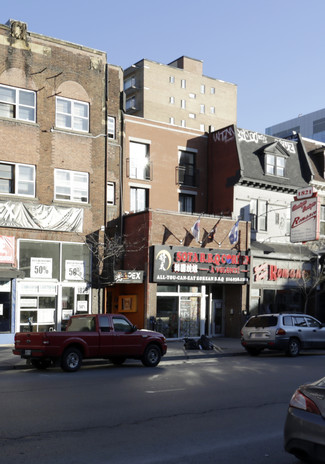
(29, 354)
(280, 344)
(304, 435)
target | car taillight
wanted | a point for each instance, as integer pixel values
(280, 332)
(300, 401)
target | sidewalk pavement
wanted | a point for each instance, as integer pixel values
(175, 352)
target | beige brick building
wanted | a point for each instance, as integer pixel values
(179, 94)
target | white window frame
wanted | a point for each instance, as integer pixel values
(13, 107)
(139, 156)
(110, 193)
(212, 109)
(138, 203)
(202, 108)
(172, 79)
(183, 83)
(192, 115)
(183, 104)
(192, 95)
(19, 180)
(72, 186)
(273, 166)
(213, 90)
(202, 88)
(72, 114)
(111, 127)
(183, 123)
(172, 120)
(172, 100)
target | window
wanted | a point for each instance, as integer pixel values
(186, 168)
(275, 165)
(183, 123)
(17, 103)
(186, 203)
(139, 161)
(17, 179)
(192, 95)
(171, 120)
(111, 193)
(183, 84)
(318, 126)
(212, 110)
(192, 115)
(212, 90)
(202, 109)
(129, 82)
(322, 220)
(202, 88)
(111, 127)
(139, 199)
(183, 104)
(71, 185)
(72, 114)
(258, 215)
(130, 103)
(171, 100)
(202, 127)
(171, 79)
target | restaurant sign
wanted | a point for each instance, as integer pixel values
(195, 265)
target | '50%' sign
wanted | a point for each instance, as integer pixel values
(74, 270)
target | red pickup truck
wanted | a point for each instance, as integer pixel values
(106, 336)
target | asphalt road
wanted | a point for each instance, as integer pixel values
(225, 410)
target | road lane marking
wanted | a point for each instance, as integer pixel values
(165, 391)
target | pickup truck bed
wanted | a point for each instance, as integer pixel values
(91, 336)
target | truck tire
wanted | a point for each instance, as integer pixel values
(151, 356)
(71, 360)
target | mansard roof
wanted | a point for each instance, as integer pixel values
(252, 148)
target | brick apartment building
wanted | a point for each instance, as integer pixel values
(169, 280)
(59, 119)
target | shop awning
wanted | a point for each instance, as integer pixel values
(8, 272)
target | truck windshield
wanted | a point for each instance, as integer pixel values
(81, 324)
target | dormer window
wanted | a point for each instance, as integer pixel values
(275, 165)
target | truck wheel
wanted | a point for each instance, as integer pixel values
(118, 361)
(41, 364)
(71, 360)
(152, 356)
(293, 347)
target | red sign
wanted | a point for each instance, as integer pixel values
(7, 249)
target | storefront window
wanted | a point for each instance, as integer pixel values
(37, 313)
(167, 316)
(40, 259)
(178, 314)
(5, 306)
(75, 262)
(189, 316)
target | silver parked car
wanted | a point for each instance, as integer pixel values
(284, 332)
(304, 430)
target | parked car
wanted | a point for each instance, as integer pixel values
(284, 332)
(304, 430)
(106, 336)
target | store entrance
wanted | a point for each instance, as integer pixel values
(216, 313)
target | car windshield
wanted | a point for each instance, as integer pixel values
(262, 321)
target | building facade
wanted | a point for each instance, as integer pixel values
(255, 177)
(311, 125)
(54, 177)
(179, 94)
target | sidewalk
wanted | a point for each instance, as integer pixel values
(175, 352)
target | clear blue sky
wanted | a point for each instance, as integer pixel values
(271, 49)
